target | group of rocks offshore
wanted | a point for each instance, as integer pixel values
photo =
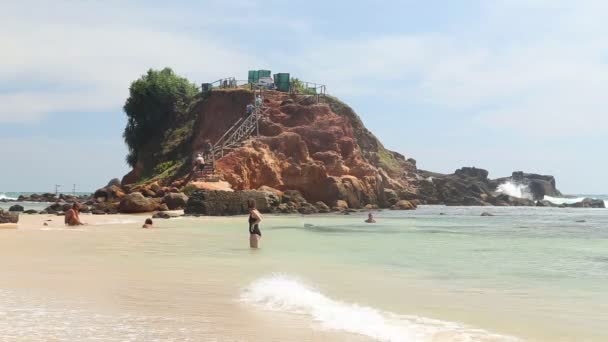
(470, 186)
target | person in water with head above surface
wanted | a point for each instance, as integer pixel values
(148, 223)
(72, 217)
(370, 218)
(254, 224)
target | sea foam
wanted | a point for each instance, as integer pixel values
(3, 196)
(514, 190)
(287, 294)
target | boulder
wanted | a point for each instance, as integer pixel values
(545, 203)
(307, 209)
(390, 196)
(287, 208)
(16, 207)
(175, 201)
(30, 211)
(161, 215)
(293, 196)
(322, 207)
(220, 203)
(588, 203)
(485, 213)
(136, 203)
(9, 217)
(265, 188)
(404, 205)
(341, 205)
(472, 172)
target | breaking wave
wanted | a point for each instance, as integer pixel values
(287, 294)
(514, 190)
(3, 196)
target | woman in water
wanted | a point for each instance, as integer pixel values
(254, 224)
(148, 223)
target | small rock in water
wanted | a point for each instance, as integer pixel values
(581, 221)
(441, 213)
(485, 213)
(162, 215)
(308, 225)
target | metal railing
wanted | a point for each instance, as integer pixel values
(237, 133)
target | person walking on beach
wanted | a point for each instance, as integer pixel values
(254, 224)
(72, 217)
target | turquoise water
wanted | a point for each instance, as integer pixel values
(434, 274)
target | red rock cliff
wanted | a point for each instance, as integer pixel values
(321, 149)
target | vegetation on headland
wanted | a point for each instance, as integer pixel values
(158, 100)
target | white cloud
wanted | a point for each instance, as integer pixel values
(537, 68)
(86, 64)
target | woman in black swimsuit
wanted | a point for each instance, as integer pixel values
(254, 224)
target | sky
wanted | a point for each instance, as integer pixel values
(503, 85)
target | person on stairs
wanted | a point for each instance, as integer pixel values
(199, 163)
(250, 109)
(258, 101)
(208, 149)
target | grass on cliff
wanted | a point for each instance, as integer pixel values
(367, 142)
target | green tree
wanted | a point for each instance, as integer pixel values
(155, 100)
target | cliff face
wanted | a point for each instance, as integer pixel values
(323, 150)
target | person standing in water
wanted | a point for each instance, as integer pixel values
(254, 224)
(370, 218)
(148, 223)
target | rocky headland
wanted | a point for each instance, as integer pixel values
(307, 155)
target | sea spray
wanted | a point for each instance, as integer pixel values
(288, 294)
(514, 190)
(4, 196)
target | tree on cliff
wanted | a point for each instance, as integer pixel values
(155, 100)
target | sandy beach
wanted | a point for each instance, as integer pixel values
(316, 278)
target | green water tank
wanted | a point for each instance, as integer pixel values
(252, 76)
(264, 73)
(206, 87)
(281, 81)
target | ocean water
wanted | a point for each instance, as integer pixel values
(434, 274)
(27, 205)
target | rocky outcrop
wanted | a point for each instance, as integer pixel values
(175, 201)
(112, 191)
(136, 203)
(221, 203)
(538, 186)
(588, 203)
(404, 205)
(321, 149)
(8, 217)
(16, 207)
(470, 186)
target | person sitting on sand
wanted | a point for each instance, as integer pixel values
(254, 224)
(148, 223)
(72, 217)
(370, 218)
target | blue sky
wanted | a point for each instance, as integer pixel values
(503, 85)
